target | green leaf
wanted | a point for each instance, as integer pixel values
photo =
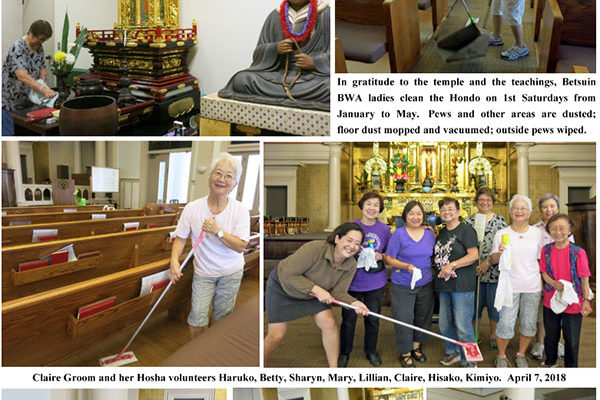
(65, 34)
(79, 42)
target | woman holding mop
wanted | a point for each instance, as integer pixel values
(308, 281)
(486, 270)
(219, 258)
(409, 253)
(455, 257)
(525, 287)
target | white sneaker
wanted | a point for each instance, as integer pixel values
(494, 40)
(514, 53)
(537, 351)
(561, 350)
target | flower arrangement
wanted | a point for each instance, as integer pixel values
(399, 167)
(64, 59)
(363, 181)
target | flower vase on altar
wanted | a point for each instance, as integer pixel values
(400, 185)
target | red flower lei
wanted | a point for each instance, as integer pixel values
(283, 19)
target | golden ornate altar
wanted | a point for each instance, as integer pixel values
(148, 45)
(455, 169)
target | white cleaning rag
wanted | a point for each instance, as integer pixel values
(416, 275)
(38, 98)
(563, 298)
(366, 259)
(504, 289)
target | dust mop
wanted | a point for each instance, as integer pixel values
(464, 44)
(127, 357)
(471, 350)
(480, 222)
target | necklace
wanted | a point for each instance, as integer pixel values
(286, 25)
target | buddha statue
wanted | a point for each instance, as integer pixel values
(290, 65)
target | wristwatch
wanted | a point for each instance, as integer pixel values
(220, 234)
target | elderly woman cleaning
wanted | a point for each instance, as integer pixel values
(455, 258)
(511, 11)
(24, 65)
(486, 270)
(307, 282)
(565, 271)
(218, 259)
(525, 282)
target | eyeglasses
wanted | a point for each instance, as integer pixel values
(520, 209)
(220, 175)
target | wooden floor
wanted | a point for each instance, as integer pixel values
(159, 338)
(302, 346)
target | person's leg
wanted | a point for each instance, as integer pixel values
(403, 309)
(505, 329)
(203, 291)
(329, 334)
(423, 313)
(552, 324)
(493, 315)
(275, 333)
(463, 303)
(8, 124)
(528, 311)
(514, 14)
(447, 324)
(372, 300)
(537, 349)
(226, 292)
(348, 325)
(497, 20)
(571, 328)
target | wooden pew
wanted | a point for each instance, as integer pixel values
(549, 38)
(340, 60)
(15, 235)
(163, 208)
(118, 252)
(47, 209)
(399, 19)
(72, 216)
(45, 325)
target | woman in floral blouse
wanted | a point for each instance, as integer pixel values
(486, 270)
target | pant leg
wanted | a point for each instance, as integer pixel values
(226, 291)
(463, 316)
(348, 325)
(203, 291)
(8, 124)
(571, 329)
(403, 309)
(552, 323)
(372, 300)
(446, 321)
(423, 311)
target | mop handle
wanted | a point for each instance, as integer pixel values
(202, 234)
(395, 321)
(468, 13)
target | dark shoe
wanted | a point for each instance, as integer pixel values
(343, 360)
(418, 355)
(374, 359)
(406, 361)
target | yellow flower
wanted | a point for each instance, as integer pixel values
(59, 56)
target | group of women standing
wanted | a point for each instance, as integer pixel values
(459, 264)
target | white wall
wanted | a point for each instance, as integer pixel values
(60, 153)
(12, 24)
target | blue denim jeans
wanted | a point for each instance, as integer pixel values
(8, 125)
(456, 316)
(220, 291)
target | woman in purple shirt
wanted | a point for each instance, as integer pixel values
(367, 286)
(409, 249)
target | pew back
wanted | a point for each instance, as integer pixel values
(14, 235)
(47, 209)
(70, 216)
(117, 252)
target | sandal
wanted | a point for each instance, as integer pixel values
(418, 355)
(406, 361)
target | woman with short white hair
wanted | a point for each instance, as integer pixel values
(525, 281)
(219, 258)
